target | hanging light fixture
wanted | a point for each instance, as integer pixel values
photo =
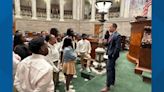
(103, 7)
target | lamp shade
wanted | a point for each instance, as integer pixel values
(103, 5)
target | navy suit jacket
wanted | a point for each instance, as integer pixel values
(114, 45)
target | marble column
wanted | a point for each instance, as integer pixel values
(74, 9)
(48, 9)
(78, 10)
(17, 9)
(93, 11)
(61, 10)
(127, 9)
(82, 5)
(122, 8)
(34, 9)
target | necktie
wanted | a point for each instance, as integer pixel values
(110, 38)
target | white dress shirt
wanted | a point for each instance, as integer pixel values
(34, 74)
(83, 46)
(16, 60)
(53, 55)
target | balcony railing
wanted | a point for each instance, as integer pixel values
(26, 11)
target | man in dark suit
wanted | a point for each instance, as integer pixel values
(114, 46)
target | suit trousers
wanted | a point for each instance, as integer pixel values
(110, 71)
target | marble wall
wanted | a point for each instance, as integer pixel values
(78, 26)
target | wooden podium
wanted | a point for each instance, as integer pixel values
(144, 61)
(139, 55)
(137, 30)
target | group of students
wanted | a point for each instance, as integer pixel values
(37, 62)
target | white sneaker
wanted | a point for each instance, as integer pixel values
(88, 70)
(74, 76)
(70, 86)
(85, 79)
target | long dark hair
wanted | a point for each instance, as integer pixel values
(18, 39)
(67, 42)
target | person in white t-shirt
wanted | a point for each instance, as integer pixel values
(84, 49)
